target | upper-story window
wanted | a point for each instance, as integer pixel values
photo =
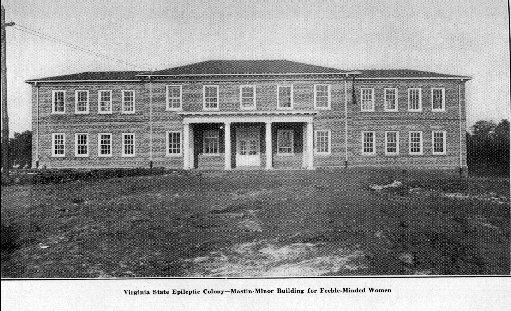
(367, 99)
(390, 100)
(438, 99)
(210, 97)
(247, 97)
(414, 99)
(322, 96)
(58, 102)
(174, 97)
(105, 102)
(285, 97)
(81, 102)
(128, 101)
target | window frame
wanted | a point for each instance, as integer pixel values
(99, 102)
(100, 155)
(279, 133)
(329, 97)
(124, 111)
(395, 99)
(53, 154)
(373, 143)
(329, 142)
(204, 97)
(443, 99)
(123, 145)
(53, 111)
(167, 144)
(253, 107)
(168, 98)
(420, 99)
(279, 107)
(87, 103)
(410, 143)
(217, 131)
(362, 100)
(85, 155)
(444, 143)
(387, 153)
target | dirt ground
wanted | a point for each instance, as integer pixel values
(256, 223)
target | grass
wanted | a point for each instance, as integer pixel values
(256, 223)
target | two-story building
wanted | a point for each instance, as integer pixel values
(250, 114)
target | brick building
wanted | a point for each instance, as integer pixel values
(262, 114)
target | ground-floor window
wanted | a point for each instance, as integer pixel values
(415, 143)
(391, 142)
(128, 144)
(58, 144)
(368, 143)
(173, 143)
(285, 141)
(438, 138)
(322, 142)
(82, 145)
(104, 145)
(211, 142)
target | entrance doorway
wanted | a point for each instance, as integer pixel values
(248, 151)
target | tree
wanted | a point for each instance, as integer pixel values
(488, 146)
(21, 149)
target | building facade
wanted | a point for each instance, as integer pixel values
(250, 114)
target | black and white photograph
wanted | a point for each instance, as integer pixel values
(255, 141)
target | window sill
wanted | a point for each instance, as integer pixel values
(173, 109)
(128, 112)
(81, 155)
(104, 112)
(81, 112)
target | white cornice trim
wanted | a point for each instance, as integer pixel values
(71, 81)
(251, 112)
(414, 78)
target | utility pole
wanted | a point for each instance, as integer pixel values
(6, 163)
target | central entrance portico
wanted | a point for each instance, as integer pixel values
(280, 139)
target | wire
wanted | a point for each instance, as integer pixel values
(44, 36)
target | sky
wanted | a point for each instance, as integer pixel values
(461, 37)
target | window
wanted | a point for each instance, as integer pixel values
(211, 97)
(367, 99)
(128, 101)
(439, 138)
(391, 143)
(58, 145)
(128, 144)
(211, 142)
(104, 145)
(415, 143)
(368, 143)
(247, 97)
(173, 143)
(81, 102)
(82, 145)
(58, 102)
(438, 99)
(322, 96)
(322, 142)
(390, 100)
(414, 100)
(105, 102)
(285, 141)
(285, 97)
(174, 97)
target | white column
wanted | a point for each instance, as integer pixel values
(269, 148)
(227, 141)
(186, 146)
(310, 146)
(191, 146)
